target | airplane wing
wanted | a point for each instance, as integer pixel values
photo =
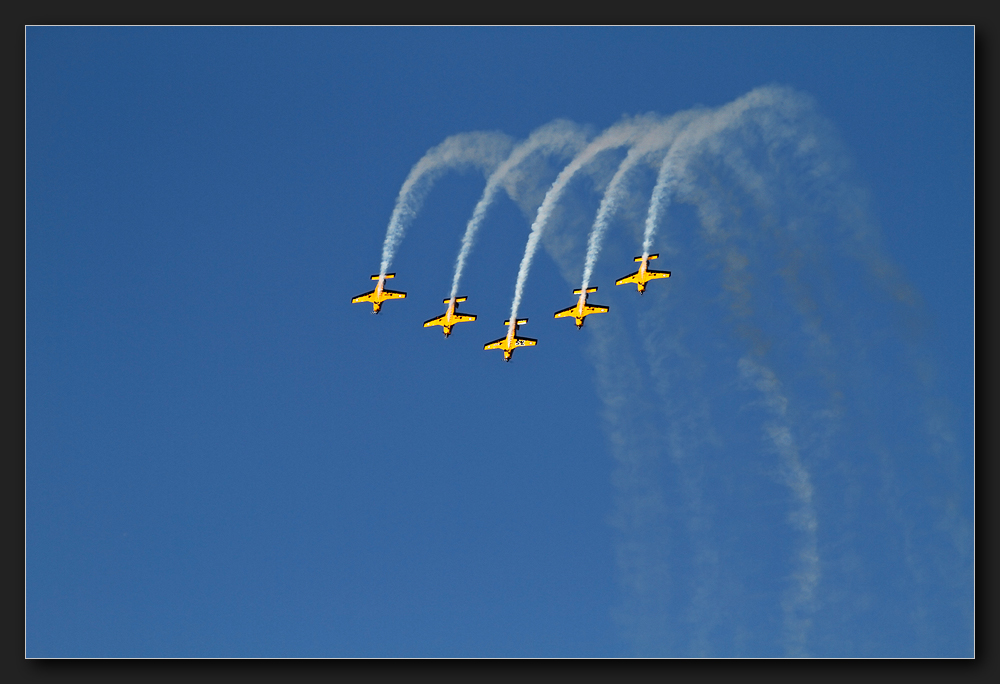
(366, 297)
(495, 344)
(630, 278)
(657, 274)
(435, 321)
(565, 312)
(524, 342)
(592, 309)
(392, 294)
(462, 318)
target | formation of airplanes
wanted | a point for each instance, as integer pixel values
(512, 340)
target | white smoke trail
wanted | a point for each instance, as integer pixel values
(482, 150)
(559, 137)
(644, 147)
(617, 135)
(707, 131)
(800, 599)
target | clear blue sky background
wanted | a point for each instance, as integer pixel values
(226, 458)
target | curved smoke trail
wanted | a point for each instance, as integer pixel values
(482, 150)
(557, 137)
(617, 135)
(651, 142)
(706, 130)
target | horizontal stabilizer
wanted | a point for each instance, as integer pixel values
(651, 256)
(520, 321)
(387, 275)
(457, 300)
(589, 289)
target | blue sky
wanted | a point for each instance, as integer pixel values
(226, 458)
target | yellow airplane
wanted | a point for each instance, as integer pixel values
(379, 294)
(450, 317)
(582, 309)
(511, 341)
(644, 274)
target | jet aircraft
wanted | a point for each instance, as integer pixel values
(379, 294)
(511, 341)
(451, 316)
(644, 274)
(581, 309)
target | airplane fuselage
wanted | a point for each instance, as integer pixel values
(578, 314)
(379, 298)
(449, 318)
(643, 275)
